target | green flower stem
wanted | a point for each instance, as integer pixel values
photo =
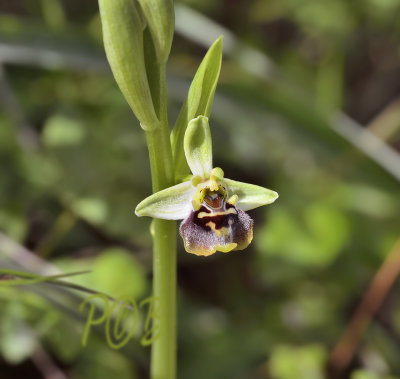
(163, 353)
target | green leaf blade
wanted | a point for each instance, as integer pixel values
(29, 278)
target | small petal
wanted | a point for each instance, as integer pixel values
(173, 203)
(250, 196)
(204, 232)
(216, 175)
(198, 147)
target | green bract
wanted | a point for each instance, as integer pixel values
(199, 102)
(122, 27)
(212, 206)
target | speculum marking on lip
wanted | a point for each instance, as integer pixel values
(204, 236)
(216, 225)
(219, 232)
(215, 213)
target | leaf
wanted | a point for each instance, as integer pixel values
(199, 102)
(29, 278)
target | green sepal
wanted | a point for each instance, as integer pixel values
(173, 203)
(198, 147)
(250, 196)
(160, 18)
(199, 102)
(123, 43)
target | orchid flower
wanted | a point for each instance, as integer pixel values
(212, 207)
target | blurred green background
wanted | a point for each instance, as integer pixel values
(307, 104)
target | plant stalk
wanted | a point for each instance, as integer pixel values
(163, 351)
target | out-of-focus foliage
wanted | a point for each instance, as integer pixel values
(73, 166)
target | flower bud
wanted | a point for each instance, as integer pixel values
(123, 42)
(160, 18)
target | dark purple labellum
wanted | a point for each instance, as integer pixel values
(216, 226)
